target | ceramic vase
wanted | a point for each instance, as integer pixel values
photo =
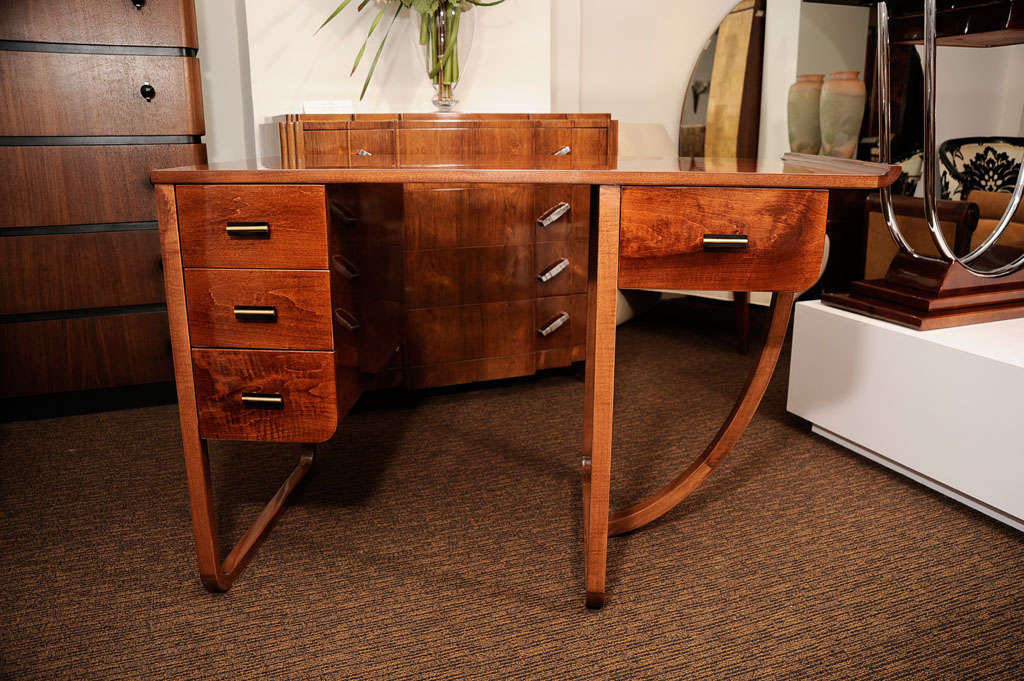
(842, 109)
(803, 113)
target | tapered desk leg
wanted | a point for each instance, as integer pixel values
(216, 575)
(602, 286)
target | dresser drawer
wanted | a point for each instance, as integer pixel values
(561, 211)
(277, 396)
(452, 334)
(253, 226)
(106, 92)
(279, 309)
(469, 144)
(463, 276)
(559, 145)
(80, 185)
(170, 23)
(560, 322)
(721, 238)
(459, 216)
(51, 272)
(371, 145)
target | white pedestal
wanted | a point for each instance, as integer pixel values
(943, 407)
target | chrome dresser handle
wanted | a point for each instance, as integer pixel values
(554, 325)
(553, 271)
(553, 213)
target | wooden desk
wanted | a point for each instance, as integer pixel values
(282, 299)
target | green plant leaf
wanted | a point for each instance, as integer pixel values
(376, 58)
(338, 9)
(373, 27)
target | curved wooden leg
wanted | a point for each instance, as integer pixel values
(217, 575)
(646, 510)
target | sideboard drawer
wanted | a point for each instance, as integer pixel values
(720, 238)
(276, 396)
(253, 226)
(283, 309)
(371, 147)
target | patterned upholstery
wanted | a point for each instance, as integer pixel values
(985, 163)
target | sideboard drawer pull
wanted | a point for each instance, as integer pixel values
(147, 90)
(554, 325)
(553, 271)
(346, 319)
(725, 242)
(344, 267)
(363, 152)
(249, 230)
(262, 400)
(553, 213)
(266, 314)
(564, 151)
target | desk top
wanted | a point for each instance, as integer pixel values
(678, 171)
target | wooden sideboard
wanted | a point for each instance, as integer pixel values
(494, 275)
(95, 96)
(289, 288)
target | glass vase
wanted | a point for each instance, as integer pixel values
(446, 36)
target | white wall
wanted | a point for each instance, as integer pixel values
(781, 33)
(832, 38)
(509, 66)
(979, 91)
(224, 64)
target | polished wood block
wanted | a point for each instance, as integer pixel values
(294, 219)
(52, 272)
(83, 353)
(925, 295)
(170, 23)
(77, 185)
(665, 238)
(106, 94)
(236, 392)
(277, 309)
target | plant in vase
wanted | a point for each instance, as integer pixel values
(439, 36)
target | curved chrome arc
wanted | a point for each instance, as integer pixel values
(930, 156)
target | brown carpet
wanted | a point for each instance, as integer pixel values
(439, 538)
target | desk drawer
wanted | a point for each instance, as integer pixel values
(253, 226)
(276, 396)
(667, 238)
(468, 215)
(283, 309)
(462, 276)
(453, 334)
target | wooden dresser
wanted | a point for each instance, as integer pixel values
(95, 95)
(494, 274)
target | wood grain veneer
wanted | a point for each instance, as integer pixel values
(56, 355)
(296, 215)
(98, 94)
(74, 185)
(301, 300)
(170, 23)
(662, 230)
(305, 381)
(468, 215)
(451, 334)
(72, 271)
(464, 276)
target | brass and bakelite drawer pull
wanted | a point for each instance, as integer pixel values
(346, 319)
(725, 242)
(554, 325)
(553, 271)
(249, 230)
(363, 152)
(564, 151)
(262, 400)
(553, 213)
(344, 267)
(266, 314)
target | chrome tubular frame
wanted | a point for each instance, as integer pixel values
(930, 157)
